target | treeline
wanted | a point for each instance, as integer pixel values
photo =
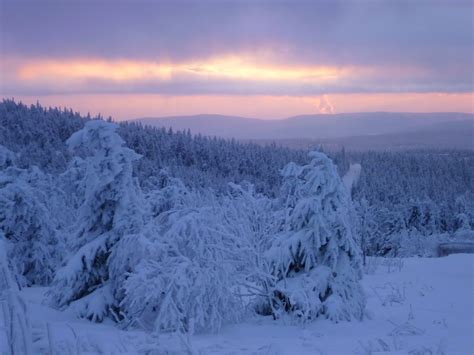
(37, 136)
(406, 199)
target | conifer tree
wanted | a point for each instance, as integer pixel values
(315, 255)
(110, 210)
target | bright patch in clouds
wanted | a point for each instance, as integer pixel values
(220, 75)
(248, 68)
(230, 67)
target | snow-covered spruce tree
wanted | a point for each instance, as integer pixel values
(366, 226)
(72, 182)
(391, 230)
(464, 208)
(111, 210)
(315, 255)
(34, 245)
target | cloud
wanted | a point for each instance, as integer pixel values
(281, 46)
(319, 32)
(242, 74)
(232, 67)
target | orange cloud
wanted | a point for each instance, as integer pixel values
(93, 69)
(230, 67)
(244, 67)
(250, 74)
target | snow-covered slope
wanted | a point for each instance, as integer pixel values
(415, 305)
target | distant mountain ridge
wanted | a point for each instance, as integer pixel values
(375, 130)
(445, 135)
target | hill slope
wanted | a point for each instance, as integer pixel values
(307, 126)
(355, 131)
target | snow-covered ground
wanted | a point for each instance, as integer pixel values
(415, 305)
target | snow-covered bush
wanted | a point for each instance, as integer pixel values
(186, 281)
(315, 255)
(111, 209)
(250, 217)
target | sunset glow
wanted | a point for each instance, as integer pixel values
(242, 68)
(92, 69)
(232, 67)
(245, 60)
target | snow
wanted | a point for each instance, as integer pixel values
(414, 305)
(351, 177)
(15, 336)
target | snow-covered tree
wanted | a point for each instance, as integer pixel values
(185, 280)
(315, 256)
(366, 226)
(111, 210)
(391, 229)
(7, 157)
(464, 205)
(29, 225)
(168, 193)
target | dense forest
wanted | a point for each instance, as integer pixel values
(165, 230)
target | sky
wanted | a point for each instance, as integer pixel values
(263, 59)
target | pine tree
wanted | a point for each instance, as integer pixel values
(315, 255)
(91, 280)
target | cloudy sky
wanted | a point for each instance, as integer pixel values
(266, 59)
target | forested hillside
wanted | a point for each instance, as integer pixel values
(166, 231)
(423, 192)
(37, 135)
(405, 199)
